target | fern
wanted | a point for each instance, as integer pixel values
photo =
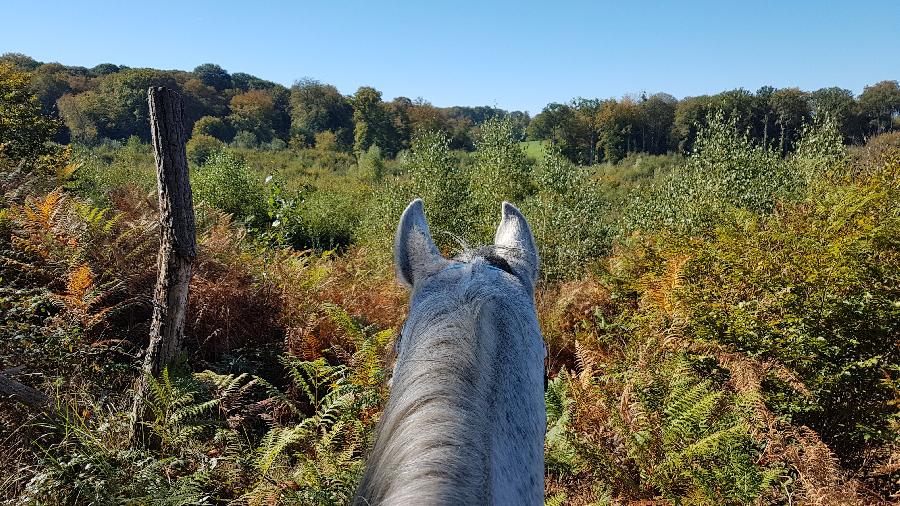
(178, 416)
(556, 500)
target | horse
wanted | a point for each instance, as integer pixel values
(465, 420)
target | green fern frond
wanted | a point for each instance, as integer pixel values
(556, 500)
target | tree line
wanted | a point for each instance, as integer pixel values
(109, 102)
(590, 130)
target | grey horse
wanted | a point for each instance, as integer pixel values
(465, 420)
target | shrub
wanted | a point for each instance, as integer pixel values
(327, 141)
(201, 147)
(245, 140)
(814, 288)
(725, 170)
(227, 184)
(501, 171)
(371, 164)
(568, 216)
(111, 167)
(213, 127)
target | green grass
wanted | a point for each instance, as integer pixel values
(536, 150)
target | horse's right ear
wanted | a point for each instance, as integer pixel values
(415, 254)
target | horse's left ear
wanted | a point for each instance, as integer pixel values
(415, 254)
(515, 244)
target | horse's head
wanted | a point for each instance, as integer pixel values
(465, 420)
(505, 271)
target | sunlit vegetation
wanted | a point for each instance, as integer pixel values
(720, 293)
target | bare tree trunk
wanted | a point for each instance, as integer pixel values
(177, 248)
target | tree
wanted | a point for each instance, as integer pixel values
(213, 127)
(254, 111)
(117, 106)
(791, 111)
(24, 132)
(619, 125)
(318, 107)
(500, 171)
(374, 123)
(690, 116)
(246, 82)
(424, 117)
(841, 106)
(658, 112)
(558, 123)
(202, 100)
(880, 103)
(587, 114)
(213, 75)
(49, 82)
(739, 105)
(106, 68)
(20, 61)
(76, 113)
(281, 119)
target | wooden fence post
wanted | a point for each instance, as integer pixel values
(177, 247)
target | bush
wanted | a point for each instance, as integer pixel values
(501, 171)
(371, 164)
(327, 219)
(814, 288)
(725, 170)
(569, 216)
(107, 169)
(213, 127)
(227, 184)
(245, 140)
(201, 147)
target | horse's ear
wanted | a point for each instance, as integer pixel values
(515, 244)
(415, 254)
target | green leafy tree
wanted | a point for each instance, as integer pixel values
(213, 75)
(255, 112)
(841, 106)
(690, 116)
(374, 124)
(658, 112)
(49, 83)
(106, 68)
(24, 132)
(620, 125)
(318, 107)
(76, 112)
(790, 107)
(587, 114)
(19, 61)
(201, 147)
(213, 127)
(202, 100)
(558, 123)
(117, 107)
(500, 171)
(880, 103)
(246, 82)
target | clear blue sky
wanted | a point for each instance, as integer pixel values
(515, 55)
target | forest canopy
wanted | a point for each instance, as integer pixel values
(107, 102)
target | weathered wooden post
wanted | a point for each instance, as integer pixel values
(177, 246)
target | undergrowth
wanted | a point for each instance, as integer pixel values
(722, 329)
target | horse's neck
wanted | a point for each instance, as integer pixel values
(465, 421)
